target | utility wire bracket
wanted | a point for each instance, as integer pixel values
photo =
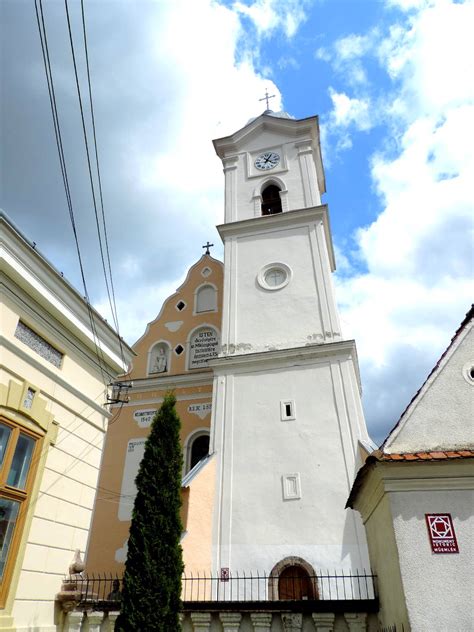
(119, 393)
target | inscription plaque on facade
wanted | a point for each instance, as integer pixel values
(133, 457)
(441, 533)
(144, 417)
(201, 410)
(204, 346)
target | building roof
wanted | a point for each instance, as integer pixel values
(378, 456)
(382, 456)
(440, 455)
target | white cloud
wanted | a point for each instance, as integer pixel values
(353, 46)
(418, 252)
(349, 111)
(270, 15)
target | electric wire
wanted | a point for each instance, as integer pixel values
(89, 165)
(99, 180)
(57, 130)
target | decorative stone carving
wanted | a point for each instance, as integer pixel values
(230, 621)
(73, 622)
(261, 621)
(201, 621)
(357, 621)
(292, 622)
(38, 344)
(323, 621)
(77, 565)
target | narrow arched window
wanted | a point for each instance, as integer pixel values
(199, 450)
(206, 299)
(271, 201)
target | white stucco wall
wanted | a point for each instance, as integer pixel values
(254, 525)
(438, 587)
(385, 564)
(304, 311)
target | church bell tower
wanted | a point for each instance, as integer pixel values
(287, 416)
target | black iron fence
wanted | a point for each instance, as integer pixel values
(105, 592)
(267, 587)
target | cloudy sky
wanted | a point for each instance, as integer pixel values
(392, 81)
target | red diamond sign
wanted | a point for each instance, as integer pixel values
(441, 532)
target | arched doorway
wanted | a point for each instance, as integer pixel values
(293, 579)
(294, 582)
(271, 201)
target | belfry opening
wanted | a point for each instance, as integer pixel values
(271, 201)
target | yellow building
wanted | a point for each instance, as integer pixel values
(52, 427)
(172, 354)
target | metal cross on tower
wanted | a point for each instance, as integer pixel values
(267, 98)
(207, 246)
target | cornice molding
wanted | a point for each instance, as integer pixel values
(388, 478)
(281, 357)
(267, 223)
(296, 130)
(169, 381)
(27, 268)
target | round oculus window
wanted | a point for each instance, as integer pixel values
(274, 276)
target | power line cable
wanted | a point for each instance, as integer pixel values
(89, 166)
(62, 161)
(99, 180)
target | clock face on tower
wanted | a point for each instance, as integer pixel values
(267, 161)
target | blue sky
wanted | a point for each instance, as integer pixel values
(392, 82)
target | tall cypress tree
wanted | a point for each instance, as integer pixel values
(152, 582)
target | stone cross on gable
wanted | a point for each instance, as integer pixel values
(207, 246)
(267, 98)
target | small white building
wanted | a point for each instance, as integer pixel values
(52, 427)
(416, 498)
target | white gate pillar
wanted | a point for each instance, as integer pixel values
(324, 621)
(230, 621)
(357, 621)
(72, 621)
(261, 621)
(201, 621)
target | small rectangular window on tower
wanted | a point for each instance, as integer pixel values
(287, 409)
(291, 486)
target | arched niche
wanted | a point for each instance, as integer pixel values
(293, 579)
(159, 358)
(205, 299)
(203, 345)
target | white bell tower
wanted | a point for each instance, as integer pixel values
(287, 416)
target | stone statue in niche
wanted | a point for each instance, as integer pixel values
(159, 362)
